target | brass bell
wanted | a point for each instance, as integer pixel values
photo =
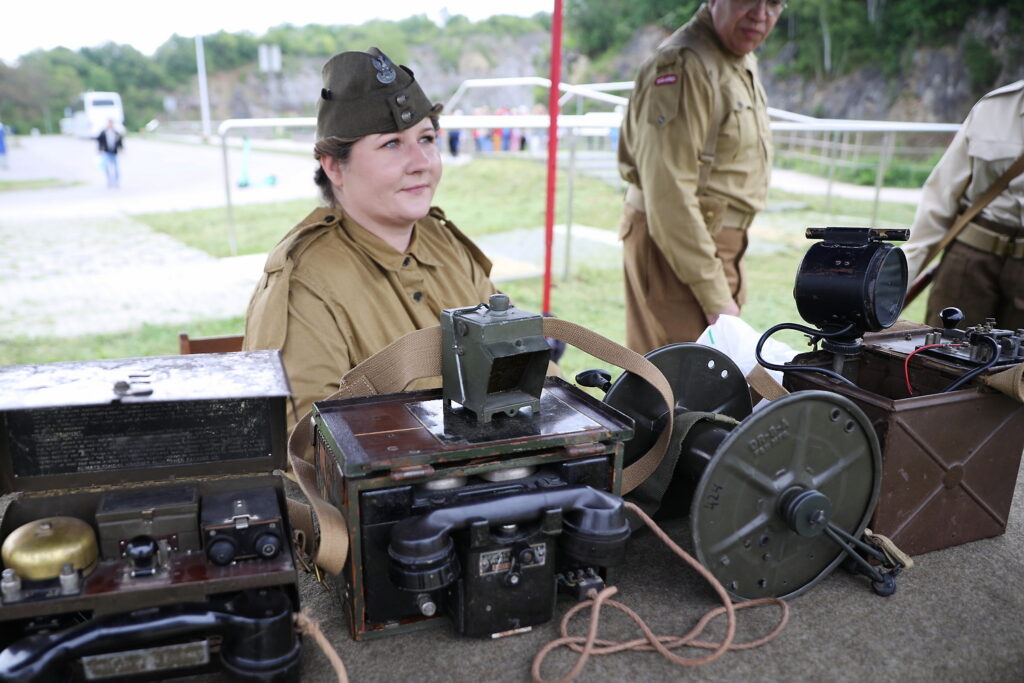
(40, 549)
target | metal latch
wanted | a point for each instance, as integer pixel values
(137, 385)
(411, 472)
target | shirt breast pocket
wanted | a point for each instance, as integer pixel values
(995, 155)
(738, 135)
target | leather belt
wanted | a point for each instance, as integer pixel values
(991, 241)
(1001, 228)
(734, 218)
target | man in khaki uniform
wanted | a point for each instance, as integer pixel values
(337, 289)
(696, 150)
(982, 272)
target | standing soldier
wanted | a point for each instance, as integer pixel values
(982, 272)
(696, 150)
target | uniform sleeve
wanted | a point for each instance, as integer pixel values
(481, 281)
(671, 117)
(940, 201)
(315, 353)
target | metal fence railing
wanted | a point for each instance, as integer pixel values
(836, 149)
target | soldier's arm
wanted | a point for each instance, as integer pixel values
(315, 353)
(940, 201)
(672, 117)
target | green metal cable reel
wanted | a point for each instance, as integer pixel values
(777, 500)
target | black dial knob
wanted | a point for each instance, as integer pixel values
(597, 378)
(951, 317)
(267, 545)
(221, 551)
(141, 550)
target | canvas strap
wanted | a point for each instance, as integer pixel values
(963, 219)
(417, 355)
(1010, 382)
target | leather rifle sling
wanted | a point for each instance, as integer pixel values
(963, 219)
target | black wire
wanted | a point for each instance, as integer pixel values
(817, 334)
(976, 371)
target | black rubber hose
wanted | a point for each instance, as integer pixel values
(818, 334)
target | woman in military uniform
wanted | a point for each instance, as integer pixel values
(377, 260)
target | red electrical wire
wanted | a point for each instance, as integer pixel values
(906, 364)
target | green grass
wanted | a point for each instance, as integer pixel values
(492, 195)
(148, 340)
(34, 184)
(899, 172)
(485, 196)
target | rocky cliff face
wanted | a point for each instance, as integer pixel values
(935, 84)
(245, 93)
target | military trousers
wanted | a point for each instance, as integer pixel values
(661, 309)
(981, 284)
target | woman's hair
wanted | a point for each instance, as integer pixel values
(341, 149)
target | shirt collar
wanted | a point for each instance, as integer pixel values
(383, 253)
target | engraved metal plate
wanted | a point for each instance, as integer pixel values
(146, 661)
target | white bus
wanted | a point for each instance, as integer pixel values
(90, 113)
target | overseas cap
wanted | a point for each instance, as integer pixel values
(365, 93)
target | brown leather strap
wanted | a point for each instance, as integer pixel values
(627, 359)
(764, 384)
(417, 355)
(991, 193)
(707, 155)
(328, 538)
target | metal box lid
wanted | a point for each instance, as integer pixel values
(117, 421)
(381, 433)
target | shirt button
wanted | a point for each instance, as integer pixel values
(416, 296)
(406, 261)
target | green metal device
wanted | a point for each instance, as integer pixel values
(493, 358)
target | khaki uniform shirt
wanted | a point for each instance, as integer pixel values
(332, 294)
(664, 132)
(990, 140)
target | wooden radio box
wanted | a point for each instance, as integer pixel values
(524, 503)
(145, 532)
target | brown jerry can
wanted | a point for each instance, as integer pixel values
(145, 532)
(949, 460)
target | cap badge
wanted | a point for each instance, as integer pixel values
(385, 69)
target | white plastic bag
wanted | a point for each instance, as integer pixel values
(738, 340)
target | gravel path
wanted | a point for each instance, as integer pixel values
(74, 262)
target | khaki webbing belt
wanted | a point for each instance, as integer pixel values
(992, 242)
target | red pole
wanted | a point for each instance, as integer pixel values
(549, 224)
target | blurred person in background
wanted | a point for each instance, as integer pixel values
(111, 143)
(982, 270)
(3, 146)
(696, 152)
(376, 261)
(454, 138)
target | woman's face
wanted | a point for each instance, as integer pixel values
(390, 179)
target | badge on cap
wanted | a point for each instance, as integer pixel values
(385, 69)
